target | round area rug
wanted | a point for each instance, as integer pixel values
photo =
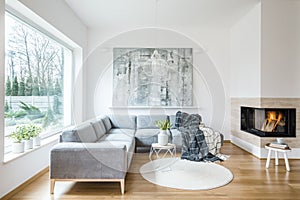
(184, 174)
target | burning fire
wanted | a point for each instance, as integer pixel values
(271, 116)
(272, 121)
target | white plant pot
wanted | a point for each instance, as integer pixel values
(18, 147)
(162, 137)
(28, 144)
(36, 141)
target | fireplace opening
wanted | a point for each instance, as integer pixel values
(269, 122)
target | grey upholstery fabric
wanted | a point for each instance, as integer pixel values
(99, 128)
(69, 136)
(130, 146)
(88, 161)
(106, 122)
(148, 121)
(128, 132)
(176, 138)
(145, 137)
(172, 120)
(123, 121)
(116, 137)
(86, 133)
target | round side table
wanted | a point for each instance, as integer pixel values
(276, 150)
(162, 150)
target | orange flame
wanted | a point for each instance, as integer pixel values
(272, 117)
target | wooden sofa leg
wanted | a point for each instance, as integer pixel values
(122, 183)
(52, 184)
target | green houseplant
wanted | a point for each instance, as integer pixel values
(34, 132)
(26, 136)
(163, 124)
(163, 137)
(18, 143)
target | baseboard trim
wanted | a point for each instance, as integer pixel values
(259, 152)
(25, 184)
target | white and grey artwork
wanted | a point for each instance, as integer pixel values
(152, 77)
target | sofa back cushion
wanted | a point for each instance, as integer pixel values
(86, 133)
(172, 120)
(123, 121)
(106, 122)
(148, 121)
(99, 128)
(69, 136)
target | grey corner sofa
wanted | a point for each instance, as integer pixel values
(101, 150)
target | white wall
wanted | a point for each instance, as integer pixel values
(265, 51)
(59, 15)
(245, 55)
(211, 63)
(280, 48)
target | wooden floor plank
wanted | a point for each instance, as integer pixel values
(251, 181)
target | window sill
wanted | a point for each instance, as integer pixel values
(11, 156)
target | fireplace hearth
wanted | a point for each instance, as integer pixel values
(269, 122)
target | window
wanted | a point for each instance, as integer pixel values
(38, 79)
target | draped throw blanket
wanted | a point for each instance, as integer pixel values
(194, 146)
(212, 138)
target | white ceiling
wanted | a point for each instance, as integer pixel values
(145, 13)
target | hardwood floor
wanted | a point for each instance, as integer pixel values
(251, 181)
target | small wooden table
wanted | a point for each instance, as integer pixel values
(276, 150)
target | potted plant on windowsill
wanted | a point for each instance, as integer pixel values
(163, 125)
(34, 132)
(18, 144)
(26, 137)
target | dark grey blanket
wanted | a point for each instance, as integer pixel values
(194, 146)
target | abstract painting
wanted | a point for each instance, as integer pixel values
(152, 77)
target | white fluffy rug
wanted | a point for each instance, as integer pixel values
(184, 174)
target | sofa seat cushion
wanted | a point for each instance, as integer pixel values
(128, 132)
(130, 146)
(116, 137)
(145, 137)
(116, 143)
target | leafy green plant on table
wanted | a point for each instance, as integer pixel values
(163, 124)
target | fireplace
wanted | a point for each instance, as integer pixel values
(269, 122)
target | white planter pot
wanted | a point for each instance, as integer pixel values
(18, 147)
(36, 141)
(162, 137)
(28, 144)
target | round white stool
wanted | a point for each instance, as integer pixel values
(276, 150)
